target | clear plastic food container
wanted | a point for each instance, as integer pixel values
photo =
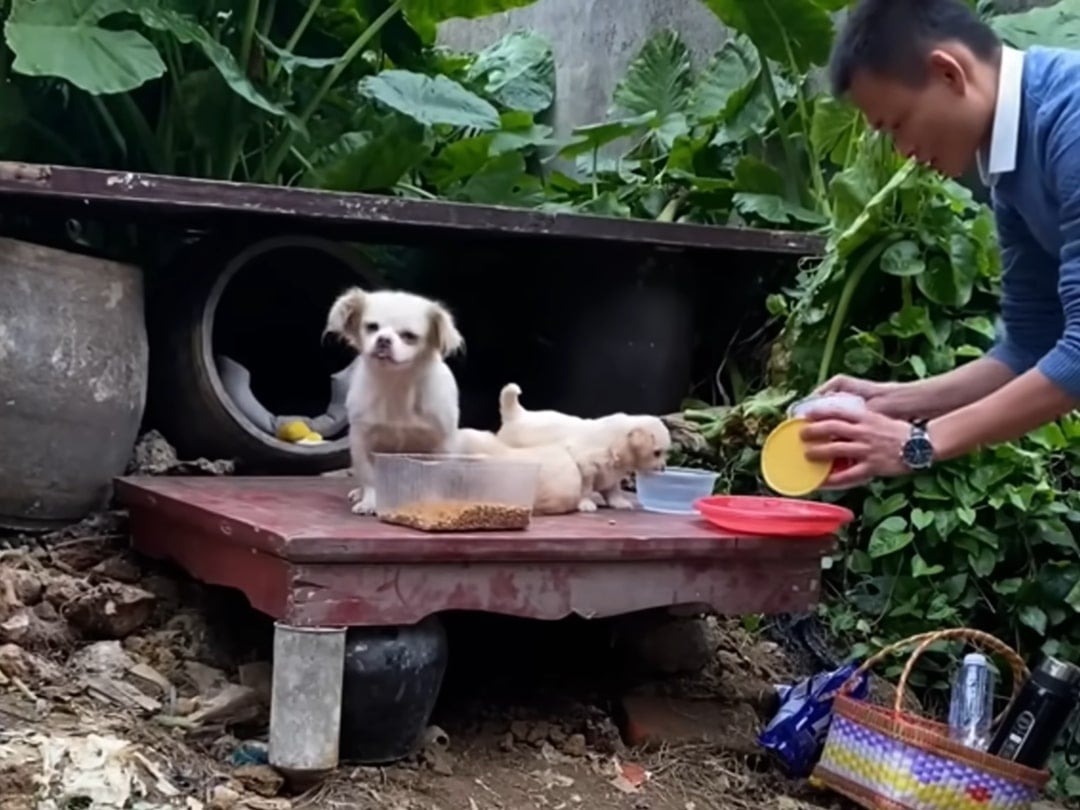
(453, 493)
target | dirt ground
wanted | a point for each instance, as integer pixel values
(170, 680)
(124, 684)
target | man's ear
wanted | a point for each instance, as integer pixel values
(948, 69)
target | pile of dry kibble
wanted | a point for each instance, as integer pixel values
(458, 516)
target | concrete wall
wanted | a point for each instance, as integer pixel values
(593, 41)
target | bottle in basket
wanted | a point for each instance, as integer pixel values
(1039, 714)
(971, 709)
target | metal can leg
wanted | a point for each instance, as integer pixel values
(305, 706)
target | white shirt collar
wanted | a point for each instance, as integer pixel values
(1005, 135)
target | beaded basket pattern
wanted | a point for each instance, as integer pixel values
(868, 762)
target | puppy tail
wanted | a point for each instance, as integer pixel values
(510, 402)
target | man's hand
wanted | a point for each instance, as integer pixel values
(871, 442)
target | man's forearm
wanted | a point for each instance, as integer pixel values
(935, 396)
(1028, 402)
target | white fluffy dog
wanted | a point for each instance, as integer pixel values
(403, 397)
(637, 442)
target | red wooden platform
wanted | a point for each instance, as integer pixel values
(292, 546)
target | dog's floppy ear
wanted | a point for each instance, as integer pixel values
(445, 337)
(635, 444)
(346, 316)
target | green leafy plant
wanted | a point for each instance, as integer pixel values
(256, 90)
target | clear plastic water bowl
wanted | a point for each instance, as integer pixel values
(675, 490)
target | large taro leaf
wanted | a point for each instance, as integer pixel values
(727, 82)
(834, 127)
(659, 78)
(371, 160)
(1053, 26)
(518, 71)
(592, 137)
(424, 14)
(62, 38)
(188, 31)
(786, 31)
(430, 100)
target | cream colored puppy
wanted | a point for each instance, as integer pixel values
(402, 398)
(636, 442)
(561, 483)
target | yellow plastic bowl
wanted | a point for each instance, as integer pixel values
(784, 464)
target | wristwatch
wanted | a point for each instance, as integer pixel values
(917, 452)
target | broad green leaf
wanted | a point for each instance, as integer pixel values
(727, 82)
(187, 31)
(502, 181)
(980, 325)
(1073, 599)
(862, 227)
(1008, 587)
(291, 62)
(62, 38)
(1056, 26)
(902, 258)
(951, 283)
(1049, 437)
(833, 129)
(751, 114)
(920, 568)
(889, 537)
(430, 100)
(369, 161)
(753, 174)
(775, 209)
(607, 204)
(658, 80)
(784, 30)
(457, 161)
(518, 71)
(921, 519)
(1034, 617)
(520, 132)
(595, 136)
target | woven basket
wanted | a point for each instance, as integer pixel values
(887, 759)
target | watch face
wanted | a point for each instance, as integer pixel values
(918, 452)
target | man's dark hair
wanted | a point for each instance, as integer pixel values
(892, 38)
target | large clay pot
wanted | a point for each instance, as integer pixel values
(73, 376)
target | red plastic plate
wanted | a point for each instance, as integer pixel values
(776, 517)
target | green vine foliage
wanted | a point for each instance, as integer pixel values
(908, 288)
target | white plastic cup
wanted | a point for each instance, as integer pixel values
(837, 399)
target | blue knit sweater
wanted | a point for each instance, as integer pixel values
(1037, 208)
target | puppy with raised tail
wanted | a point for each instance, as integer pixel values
(402, 398)
(637, 442)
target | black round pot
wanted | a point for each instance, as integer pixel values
(392, 679)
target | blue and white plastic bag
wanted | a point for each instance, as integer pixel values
(796, 734)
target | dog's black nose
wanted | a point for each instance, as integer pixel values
(382, 342)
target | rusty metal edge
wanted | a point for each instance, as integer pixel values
(168, 195)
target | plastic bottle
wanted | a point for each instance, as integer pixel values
(971, 709)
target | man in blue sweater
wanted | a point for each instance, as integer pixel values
(936, 78)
